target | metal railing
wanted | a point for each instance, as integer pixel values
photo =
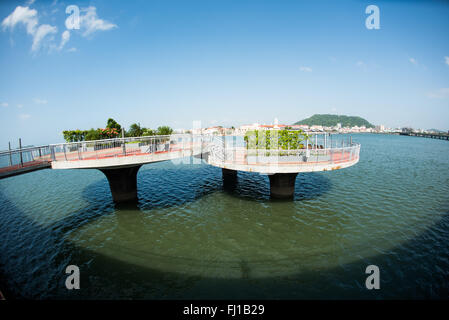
(24, 157)
(317, 149)
(120, 147)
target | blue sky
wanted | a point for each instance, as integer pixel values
(220, 62)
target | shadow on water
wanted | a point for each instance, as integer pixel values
(32, 268)
(254, 186)
(157, 188)
(405, 273)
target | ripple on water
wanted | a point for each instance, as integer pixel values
(390, 208)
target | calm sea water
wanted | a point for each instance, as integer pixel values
(189, 238)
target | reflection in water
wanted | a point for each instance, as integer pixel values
(257, 187)
(189, 238)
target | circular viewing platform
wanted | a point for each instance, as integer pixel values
(319, 154)
(281, 155)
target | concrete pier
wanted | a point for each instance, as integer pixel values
(229, 178)
(123, 183)
(282, 185)
(120, 159)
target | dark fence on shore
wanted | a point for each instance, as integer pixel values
(441, 136)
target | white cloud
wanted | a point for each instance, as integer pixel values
(64, 38)
(72, 50)
(28, 17)
(20, 106)
(446, 60)
(413, 61)
(91, 23)
(305, 69)
(42, 31)
(439, 94)
(40, 101)
(4, 104)
(23, 15)
(30, 2)
(24, 116)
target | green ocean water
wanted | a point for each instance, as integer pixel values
(187, 237)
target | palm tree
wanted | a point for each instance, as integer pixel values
(164, 131)
(135, 130)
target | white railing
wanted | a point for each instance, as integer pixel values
(24, 157)
(119, 147)
(220, 149)
(336, 151)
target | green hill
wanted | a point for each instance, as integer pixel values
(330, 120)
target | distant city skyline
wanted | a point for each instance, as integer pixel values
(225, 63)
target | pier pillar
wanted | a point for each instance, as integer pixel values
(123, 183)
(229, 178)
(282, 185)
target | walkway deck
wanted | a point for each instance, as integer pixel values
(26, 168)
(98, 154)
(120, 159)
(133, 151)
(297, 160)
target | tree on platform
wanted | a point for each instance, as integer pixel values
(135, 130)
(74, 135)
(113, 130)
(112, 124)
(93, 134)
(164, 131)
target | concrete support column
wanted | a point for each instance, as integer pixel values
(229, 178)
(282, 185)
(123, 183)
